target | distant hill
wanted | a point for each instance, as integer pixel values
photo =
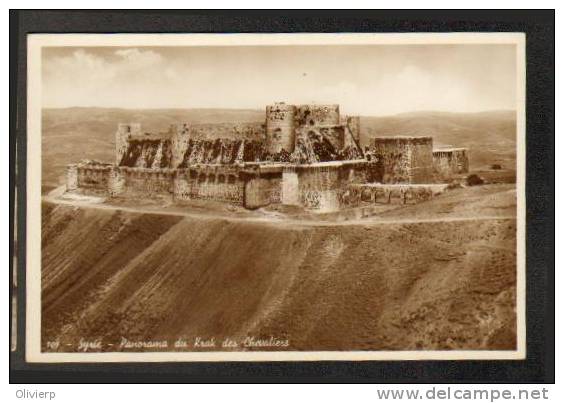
(71, 134)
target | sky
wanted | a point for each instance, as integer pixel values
(366, 80)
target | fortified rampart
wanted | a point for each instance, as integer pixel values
(263, 185)
(148, 181)
(402, 159)
(395, 193)
(209, 182)
(92, 176)
(303, 155)
(320, 187)
(449, 162)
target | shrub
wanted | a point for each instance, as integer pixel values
(473, 180)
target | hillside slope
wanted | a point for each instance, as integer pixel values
(113, 274)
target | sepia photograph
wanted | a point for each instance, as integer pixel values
(275, 197)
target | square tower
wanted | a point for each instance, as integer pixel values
(124, 133)
(405, 159)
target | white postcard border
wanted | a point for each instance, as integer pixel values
(33, 351)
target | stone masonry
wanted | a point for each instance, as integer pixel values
(302, 155)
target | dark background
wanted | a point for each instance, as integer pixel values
(539, 28)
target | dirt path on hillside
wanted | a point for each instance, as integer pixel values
(99, 203)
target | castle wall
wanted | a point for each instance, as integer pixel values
(94, 177)
(395, 193)
(116, 181)
(253, 131)
(319, 187)
(320, 164)
(181, 186)
(290, 185)
(353, 125)
(280, 128)
(216, 143)
(148, 182)
(422, 161)
(262, 191)
(211, 189)
(449, 162)
(402, 159)
(209, 183)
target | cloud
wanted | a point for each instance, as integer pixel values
(367, 80)
(84, 78)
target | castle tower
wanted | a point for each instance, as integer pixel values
(318, 115)
(124, 132)
(179, 143)
(72, 177)
(280, 128)
(116, 182)
(353, 124)
(403, 159)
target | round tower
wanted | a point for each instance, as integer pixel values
(280, 128)
(116, 181)
(72, 177)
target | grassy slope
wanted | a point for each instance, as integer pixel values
(72, 134)
(395, 286)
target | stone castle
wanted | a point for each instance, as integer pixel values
(302, 155)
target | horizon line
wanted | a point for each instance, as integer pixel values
(261, 109)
